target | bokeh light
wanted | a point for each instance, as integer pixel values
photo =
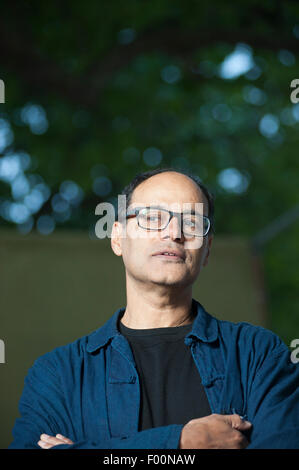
(35, 117)
(6, 134)
(232, 180)
(152, 156)
(45, 224)
(237, 63)
(102, 186)
(171, 74)
(269, 125)
(126, 36)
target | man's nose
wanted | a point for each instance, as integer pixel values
(174, 229)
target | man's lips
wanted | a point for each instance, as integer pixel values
(170, 254)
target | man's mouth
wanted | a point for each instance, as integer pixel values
(173, 255)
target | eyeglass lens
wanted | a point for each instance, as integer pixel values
(156, 219)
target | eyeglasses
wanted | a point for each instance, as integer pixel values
(156, 218)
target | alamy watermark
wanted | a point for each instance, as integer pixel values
(2, 91)
(2, 352)
(295, 353)
(294, 97)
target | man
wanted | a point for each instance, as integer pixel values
(162, 372)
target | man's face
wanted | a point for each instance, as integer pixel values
(140, 248)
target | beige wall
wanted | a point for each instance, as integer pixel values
(58, 288)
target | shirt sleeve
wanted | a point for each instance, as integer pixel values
(273, 404)
(163, 437)
(40, 407)
(43, 409)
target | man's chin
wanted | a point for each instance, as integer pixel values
(170, 281)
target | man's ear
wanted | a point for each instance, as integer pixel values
(116, 238)
(210, 239)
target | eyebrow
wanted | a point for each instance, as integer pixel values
(192, 211)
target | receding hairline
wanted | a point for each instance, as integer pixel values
(198, 188)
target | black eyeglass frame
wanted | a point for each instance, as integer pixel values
(135, 212)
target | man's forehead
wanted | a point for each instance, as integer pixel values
(170, 203)
(184, 208)
(169, 186)
(169, 190)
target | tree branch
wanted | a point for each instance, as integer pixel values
(39, 72)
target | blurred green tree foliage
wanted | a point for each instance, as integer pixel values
(98, 91)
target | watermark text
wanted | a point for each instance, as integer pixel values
(2, 91)
(295, 93)
(295, 353)
(2, 352)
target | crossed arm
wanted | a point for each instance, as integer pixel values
(212, 432)
(272, 406)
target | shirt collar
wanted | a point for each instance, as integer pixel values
(204, 328)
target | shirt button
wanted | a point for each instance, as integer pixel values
(188, 341)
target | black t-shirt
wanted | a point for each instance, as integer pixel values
(171, 388)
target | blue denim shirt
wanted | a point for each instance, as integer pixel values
(89, 390)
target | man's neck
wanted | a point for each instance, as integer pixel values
(158, 308)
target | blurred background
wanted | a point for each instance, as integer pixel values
(94, 92)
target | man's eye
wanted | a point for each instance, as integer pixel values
(150, 217)
(189, 223)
